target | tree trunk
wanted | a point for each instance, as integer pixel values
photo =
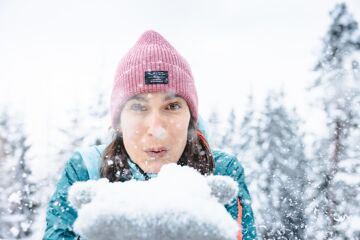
(329, 195)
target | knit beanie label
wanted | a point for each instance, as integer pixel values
(156, 77)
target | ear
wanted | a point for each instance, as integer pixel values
(117, 130)
(224, 188)
(81, 193)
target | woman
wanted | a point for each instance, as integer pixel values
(154, 111)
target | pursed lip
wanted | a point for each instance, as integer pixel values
(156, 149)
(156, 152)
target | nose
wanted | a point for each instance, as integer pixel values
(156, 125)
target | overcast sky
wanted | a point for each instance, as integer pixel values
(56, 55)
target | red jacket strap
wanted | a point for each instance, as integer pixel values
(239, 236)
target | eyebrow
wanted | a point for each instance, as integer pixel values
(141, 98)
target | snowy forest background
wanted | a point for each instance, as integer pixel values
(303, 185)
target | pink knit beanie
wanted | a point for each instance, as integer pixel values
(152, 65)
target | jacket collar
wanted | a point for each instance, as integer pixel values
(137, 173)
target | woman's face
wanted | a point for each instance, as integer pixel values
(154, 128)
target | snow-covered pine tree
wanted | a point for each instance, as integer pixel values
(281, 177)
(339, 87)
(84, 126)
(228, 140)
(100, 119)
(17, 203)
(5, 180)
(214, 129)
(247, 128)
(246, 142)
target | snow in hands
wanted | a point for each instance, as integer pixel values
(179, 203)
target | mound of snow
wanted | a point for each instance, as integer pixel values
(179, 203)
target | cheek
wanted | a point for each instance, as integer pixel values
(179, 133)
(132, 130)
(132, 138)
(132, 133)
(181, 130)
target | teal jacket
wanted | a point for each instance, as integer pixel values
(85, 164)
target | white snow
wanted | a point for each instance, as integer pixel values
(160, 133)
(15, 197)
(179, 203)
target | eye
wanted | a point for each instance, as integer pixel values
(137, 107)
(173, 106)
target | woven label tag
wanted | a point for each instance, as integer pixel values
(156, 77)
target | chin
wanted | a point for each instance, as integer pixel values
(155, 167)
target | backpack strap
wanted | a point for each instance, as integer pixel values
(239, 236)
(92, 160)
